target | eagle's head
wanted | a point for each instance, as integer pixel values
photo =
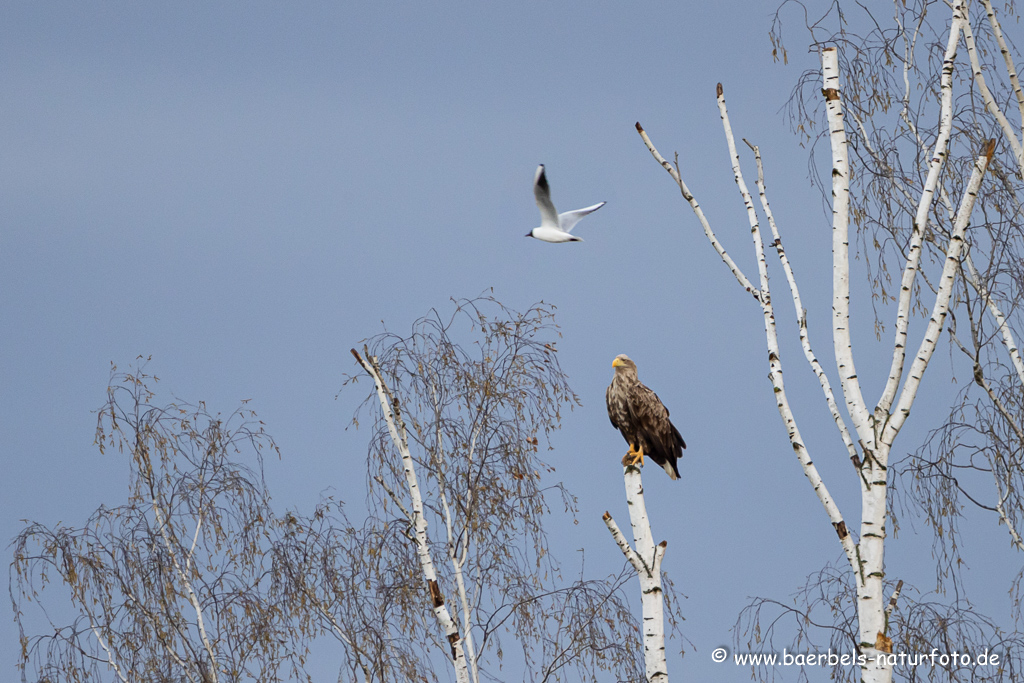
(624, 366)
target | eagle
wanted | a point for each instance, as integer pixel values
(639, 414)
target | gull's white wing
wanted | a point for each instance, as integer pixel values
(548, 215)
(568, 220)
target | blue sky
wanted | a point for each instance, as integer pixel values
(244, 191)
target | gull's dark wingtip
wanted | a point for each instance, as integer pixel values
(541, 180)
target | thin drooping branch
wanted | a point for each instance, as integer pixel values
(1001, 494)
(997, 314)
(111, 661)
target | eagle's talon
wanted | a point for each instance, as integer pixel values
(634, 457)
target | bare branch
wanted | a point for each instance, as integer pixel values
(688, 196)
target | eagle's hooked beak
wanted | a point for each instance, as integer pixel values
(616, 363)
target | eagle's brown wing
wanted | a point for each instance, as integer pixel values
(658, 437)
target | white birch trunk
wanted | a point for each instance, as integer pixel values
(396, 428)
(183, 576)
(869, 571)
(646, 559)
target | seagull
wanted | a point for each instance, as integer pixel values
(555, 227)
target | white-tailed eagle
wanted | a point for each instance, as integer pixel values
(639, 414)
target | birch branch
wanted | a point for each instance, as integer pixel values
(801, 312)
(396, 500)
(106, 648)
(1015, 537)
(986, 94)
(336, 627)
(892, 601)
(841, 252)
(774, 354)
(396, 428)
(454, 561)
(623, 544)
(1011, 70)
(941, 305)
(921, 218)
(688, 196)
(195, 542)
(155, 622)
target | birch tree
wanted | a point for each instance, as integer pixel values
(932, 241)
(448, 575)
(451, 577)
(177, 583)
(973, 460)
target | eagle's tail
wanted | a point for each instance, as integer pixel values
(670, 468)
(675, 452)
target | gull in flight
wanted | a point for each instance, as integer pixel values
(554, 226)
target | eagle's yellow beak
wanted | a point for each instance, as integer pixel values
(616, 363)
